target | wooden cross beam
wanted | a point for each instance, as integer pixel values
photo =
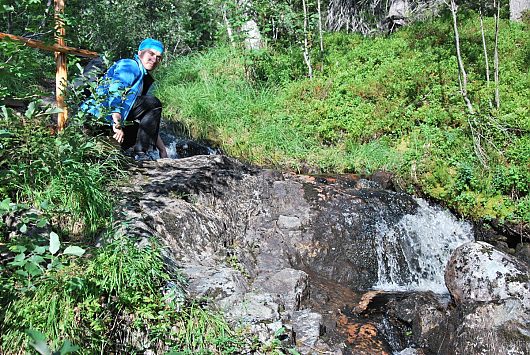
(61, 50)
(49, 47)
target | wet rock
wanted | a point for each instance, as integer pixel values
(491, 291)
(477, 272)
(383, 179)
(248, 238)
(522, 251)
(288, 286)
(426, 314)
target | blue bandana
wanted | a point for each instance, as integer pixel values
(150, 43)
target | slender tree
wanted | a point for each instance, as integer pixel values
(485, 49)
(307, 57)
(496, 56)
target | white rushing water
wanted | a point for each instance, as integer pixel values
(412, 254)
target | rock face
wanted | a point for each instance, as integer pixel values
(477, 272)
(263, 245)
(492, 293)
(247, 239)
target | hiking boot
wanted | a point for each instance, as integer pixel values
(142, 156)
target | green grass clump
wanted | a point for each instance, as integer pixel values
(66, 173)
(113, 301)
(390, 103)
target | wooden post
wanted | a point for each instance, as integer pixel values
(61, 75)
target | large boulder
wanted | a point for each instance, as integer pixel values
(477, 272)
(491, 291)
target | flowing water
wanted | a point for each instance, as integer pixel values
(412, 253)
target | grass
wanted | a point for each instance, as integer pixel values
(383, 103)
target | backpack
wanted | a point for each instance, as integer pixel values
(92, 72)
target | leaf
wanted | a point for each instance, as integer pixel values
(38, 342)
(42, 222)
(39, 250)
(4, 205)
(53, 110)
(20, 257)
(33, 269)
(44, 205)
(31, 109)
(18, 248)
(74, 250)
(68, 348)
(55, 244)
(23, 228)
(4, 133)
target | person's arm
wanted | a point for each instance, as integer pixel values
(161, 147)
(117, 127)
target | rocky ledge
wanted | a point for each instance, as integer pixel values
(275, 250)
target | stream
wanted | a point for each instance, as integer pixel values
(341, 264)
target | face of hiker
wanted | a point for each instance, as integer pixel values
(150, 58)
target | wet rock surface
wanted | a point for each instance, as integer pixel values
(276, 250)
(492, 292)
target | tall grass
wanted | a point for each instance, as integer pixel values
(389, 103)
(68, 172)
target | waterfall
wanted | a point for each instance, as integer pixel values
(412, 253)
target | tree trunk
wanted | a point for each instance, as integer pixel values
(496, 56)
(517, 7)
(229, 31)
(307, 57)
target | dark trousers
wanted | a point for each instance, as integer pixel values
(142, 124)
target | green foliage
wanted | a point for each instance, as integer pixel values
(68, 170)
(118, 27)
(23, 71)
(38, 342)
(97, 303)
(389, 103)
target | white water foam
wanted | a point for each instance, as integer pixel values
(413, 253)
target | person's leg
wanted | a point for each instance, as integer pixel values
(130, 132)
(147, 111)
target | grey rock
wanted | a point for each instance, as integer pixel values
(254, 308)
(307, 329)
(491, 290)
(243, 236)
(477, 272)
(288, 286)
(221, 283)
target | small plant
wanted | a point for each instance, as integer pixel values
(38, 342)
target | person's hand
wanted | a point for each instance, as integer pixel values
(116, 127)
(118, 134)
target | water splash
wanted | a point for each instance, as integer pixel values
(181, 147)
(412, 254)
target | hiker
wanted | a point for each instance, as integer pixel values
(133, 112)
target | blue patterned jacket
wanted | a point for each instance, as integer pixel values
(119, 88)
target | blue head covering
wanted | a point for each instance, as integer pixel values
(150, 43)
